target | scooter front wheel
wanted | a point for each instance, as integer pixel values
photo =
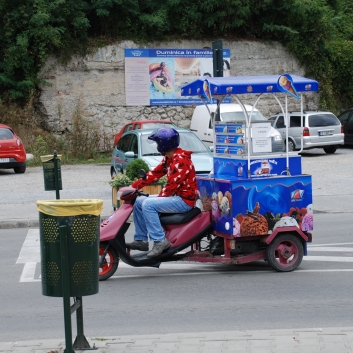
(110, 263)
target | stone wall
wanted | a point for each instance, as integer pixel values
(93, 86)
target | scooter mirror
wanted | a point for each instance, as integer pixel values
(143, 174)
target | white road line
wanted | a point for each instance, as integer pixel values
(224, 273)
(314, 245)
(328, 258)
(331, 249)
(30, 251)
(30, 256)
(28, 272)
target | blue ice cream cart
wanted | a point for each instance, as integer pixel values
(261, 202)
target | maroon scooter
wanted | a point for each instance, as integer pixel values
(181, 229)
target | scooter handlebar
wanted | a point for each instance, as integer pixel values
(141, 193)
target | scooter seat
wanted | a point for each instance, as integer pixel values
(179, 218)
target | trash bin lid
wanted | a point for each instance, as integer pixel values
(74, 207)
(49, 157)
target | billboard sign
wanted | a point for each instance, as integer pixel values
(155, 76)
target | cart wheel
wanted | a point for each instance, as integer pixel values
(110, 262)
(285, 253)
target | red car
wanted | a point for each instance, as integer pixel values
(12, 151)
(136, 125)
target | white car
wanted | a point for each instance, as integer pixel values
(201, 122)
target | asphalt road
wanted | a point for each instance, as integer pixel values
(188, 297)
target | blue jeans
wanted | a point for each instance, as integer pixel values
(146, 217)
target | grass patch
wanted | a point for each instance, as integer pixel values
(85, 143)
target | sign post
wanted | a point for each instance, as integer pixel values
(217, 48)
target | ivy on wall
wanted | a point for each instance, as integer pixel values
(318, 32)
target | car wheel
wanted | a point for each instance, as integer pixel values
(291, 146)
(112, 172)
(330, 149)
(19, 170)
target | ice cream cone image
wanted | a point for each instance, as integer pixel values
(207, 91)
(286, 84)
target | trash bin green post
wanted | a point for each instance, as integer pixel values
(52, 173)
(69, 244)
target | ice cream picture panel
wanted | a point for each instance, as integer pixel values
(259, 208)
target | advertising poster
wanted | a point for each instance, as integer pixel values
(155, 76)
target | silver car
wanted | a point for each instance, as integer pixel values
(135, 144)
(319, 129)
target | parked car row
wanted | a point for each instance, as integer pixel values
(317, 129)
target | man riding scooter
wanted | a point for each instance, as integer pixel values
(177, 196)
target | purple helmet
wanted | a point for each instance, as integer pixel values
(166, 138)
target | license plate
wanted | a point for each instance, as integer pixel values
(4, 160)
(325, 133)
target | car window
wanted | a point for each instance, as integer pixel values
(280, 122)
(156, 125)
(134, 144)
(128, 128)
(343, 118)
(323, 119)
(272, 120)
(124, 143)
(137, 126)
(189, 141)
(148, 147)
(6, 134)
(239, 116)
(295, 121)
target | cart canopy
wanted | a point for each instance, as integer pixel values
(285, 83)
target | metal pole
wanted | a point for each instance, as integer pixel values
(80, 341)
(217, 48)
(66, 289)
(56, 175)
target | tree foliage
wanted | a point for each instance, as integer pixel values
(318, 32)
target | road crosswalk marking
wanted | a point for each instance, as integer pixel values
(30, 257)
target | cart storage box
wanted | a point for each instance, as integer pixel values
(248, 207)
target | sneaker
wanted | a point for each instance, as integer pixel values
(159, 247)
(138, 245)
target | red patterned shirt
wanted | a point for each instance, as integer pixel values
(181, 176)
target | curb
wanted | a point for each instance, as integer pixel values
(19, 223)
(27, 222)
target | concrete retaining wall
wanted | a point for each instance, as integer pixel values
(93, 87)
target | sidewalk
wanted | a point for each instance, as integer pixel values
(26, 215)
(327, 340)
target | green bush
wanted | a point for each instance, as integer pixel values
(133, 168)
(318, 32)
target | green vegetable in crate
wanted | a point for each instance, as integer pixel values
(133, 168)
